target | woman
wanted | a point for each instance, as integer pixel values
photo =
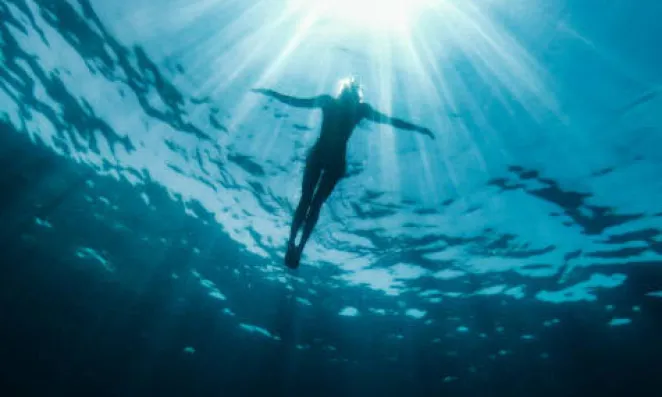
(326, 162)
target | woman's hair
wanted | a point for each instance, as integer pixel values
(351, 86)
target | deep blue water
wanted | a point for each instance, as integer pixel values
(146, 196)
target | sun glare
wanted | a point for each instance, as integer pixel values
(375, 14)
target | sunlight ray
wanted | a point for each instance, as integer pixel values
(275, 67)
(387, 153)
(429, 96)
(243, 48)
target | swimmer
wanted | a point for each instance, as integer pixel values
(327, 159)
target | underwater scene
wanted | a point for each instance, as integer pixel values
(331, 198)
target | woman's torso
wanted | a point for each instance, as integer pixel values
(338, 123)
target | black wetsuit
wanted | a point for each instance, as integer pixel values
(327, 160)
(330, 151)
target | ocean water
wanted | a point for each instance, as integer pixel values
(146, 196)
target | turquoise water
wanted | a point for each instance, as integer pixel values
(136, 157)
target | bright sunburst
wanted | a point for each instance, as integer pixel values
(375, 14)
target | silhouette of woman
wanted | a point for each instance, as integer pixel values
(326, 161)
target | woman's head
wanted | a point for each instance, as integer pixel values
(350, 91)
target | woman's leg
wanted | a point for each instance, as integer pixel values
(311, 176)
(327, 183)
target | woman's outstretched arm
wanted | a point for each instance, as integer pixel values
(374, 115)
